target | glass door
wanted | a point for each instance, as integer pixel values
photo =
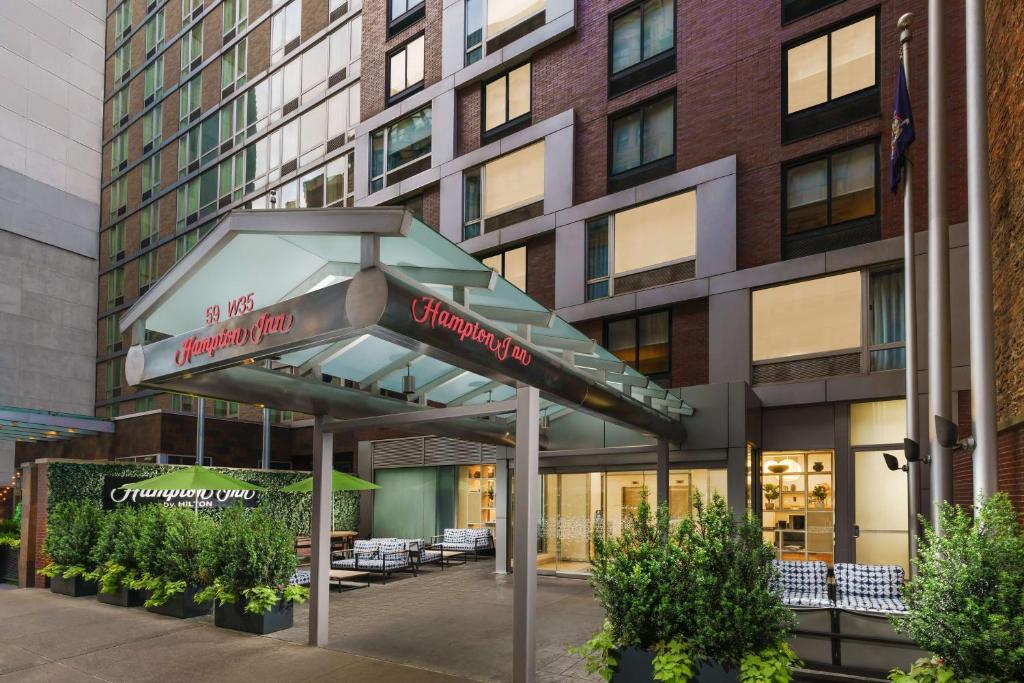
(798, 504)
(881, 523)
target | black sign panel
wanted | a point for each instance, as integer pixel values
(114, 496)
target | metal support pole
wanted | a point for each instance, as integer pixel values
(939, 385)
(910, 318)
(524, 551)
(979, 245)
(501, 527)
(320, 533)
(265, 462)
(200, 429)
(662, 472)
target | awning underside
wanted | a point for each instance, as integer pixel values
(31, 426)
(280, 255)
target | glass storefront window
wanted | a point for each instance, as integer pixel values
(476, 497)
(798, 504)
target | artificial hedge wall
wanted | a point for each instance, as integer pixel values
(84, 481)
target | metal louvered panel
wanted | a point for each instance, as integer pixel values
(653, 278)
(807, 368)
(488, 453)
(397, 453)
(445, 451)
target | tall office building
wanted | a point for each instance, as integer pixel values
(701, 187)
(51, 95)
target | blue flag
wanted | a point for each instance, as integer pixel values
(902, 131)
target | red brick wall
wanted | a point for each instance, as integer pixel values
(540, 269)
(690, 343)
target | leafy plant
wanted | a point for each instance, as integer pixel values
(118, 549)
(770, 665)
(820, 493)
(925, 670)
(599, 653)
(771, 492)
(10, 540)
(967, 600)
(673, 663)
(250, 551)
(9, 526)
(72, 529)
(172, 543)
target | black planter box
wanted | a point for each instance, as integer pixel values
(636, 666)
(10, 563)
(76, 587)
(124, 597)
(235, 617)
(182, 605)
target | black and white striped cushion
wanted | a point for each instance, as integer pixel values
(869, 588)
(804, 584)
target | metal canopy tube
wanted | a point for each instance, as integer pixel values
(320, 559)
(265, 460)
(524, 529)
(388, 304)
(414, 417)
(200, 429)
(249, 384)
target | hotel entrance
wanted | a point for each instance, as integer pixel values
(575, 505)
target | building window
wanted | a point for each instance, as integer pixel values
(147, 271)
(122, 63)
(232, 67)
(642, 342)
(152, 129)
(153, 81)
(119, 153)
(150, 175)
(112, 378)
(183, 403)
(119, 108)
(225, 409)
(191, 100)
(405, 69)
(149, 224)
(115, 287)
(507, 101)
(191, 49)
(236, 17)
(474, 30)
(285, 29)
(646, 246)
(831, 79)
(143, 405)
(831, 201)
(113, 338)
(184, 244)
(118, 197)
(232, 183)
(505, 14)
(340, 181)
(504, 191)
(403, 13)
(155, 28)
(188, 204)
(840, 324)
(642, 44)
(122, 20)
(345, 45)
(400, 150)
(510, 264)
(190, 9)
(642, 143)
(115, 242)
(279, 416)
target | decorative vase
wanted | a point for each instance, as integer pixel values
(818, 466)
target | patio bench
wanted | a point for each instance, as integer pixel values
(804, 584)
(470, 541)
(301, 577)
(377, 556)
(873, 589)
(423, 554)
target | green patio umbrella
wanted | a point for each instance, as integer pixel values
(339, 482)
(196, 478)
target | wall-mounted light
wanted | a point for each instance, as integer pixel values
(545, 421)
(893, 463)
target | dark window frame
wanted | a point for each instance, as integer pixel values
(635, 317)
(503, 251)
(510, 125)
(830, 233)
(834, 113)
(814, 6)
(645, 171)
(646, 70)
(406, 19)
(390, 99)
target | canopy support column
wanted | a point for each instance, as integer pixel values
(200, 429)
(501, 512)
(662, 472)
(320, 559)
(265, 460)
(524, 638)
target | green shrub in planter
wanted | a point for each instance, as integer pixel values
(172, 543)
(700, 595)
(72, 529)
(117, 553)
(967, 600)
(251, 557)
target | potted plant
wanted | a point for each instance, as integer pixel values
(116, 556)
(967, 600)
(72, 528)
(10, 542)
(771, 494)
(700, 602)
(820, 494)
(251, 557)
(173, 541)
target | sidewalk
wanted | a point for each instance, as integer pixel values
(48, 637)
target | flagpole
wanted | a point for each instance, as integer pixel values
(910, 316)
(979, 249)
(939, 384)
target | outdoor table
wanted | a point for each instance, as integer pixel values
(345, 578)
(449, 556)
